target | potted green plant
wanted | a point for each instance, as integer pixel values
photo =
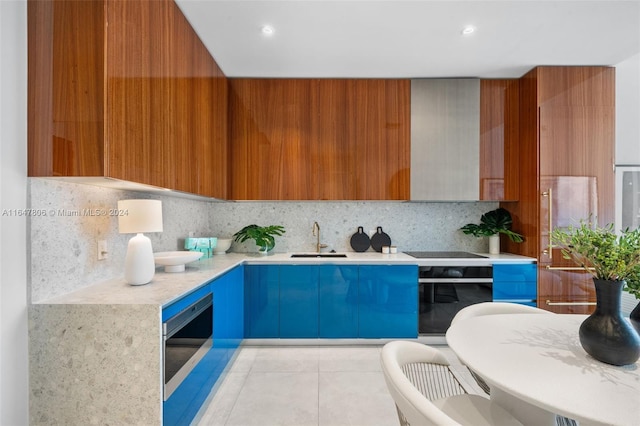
(492, 224)
(264, 236)
(614, 262)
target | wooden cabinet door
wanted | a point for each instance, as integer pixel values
(270, 147)
(378, 129)
(319, 139)
(499, 141)
(65, 85)
(565, 290)
(566, 127)
(125, 90)
(166, 107)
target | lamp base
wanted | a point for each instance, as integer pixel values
(139, 266)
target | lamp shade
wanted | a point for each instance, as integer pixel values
(139, 216)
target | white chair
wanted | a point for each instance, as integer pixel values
(493, 308)
(427, 393)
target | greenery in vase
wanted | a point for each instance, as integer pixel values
(496, 221)
(264, 236)
(602, 253)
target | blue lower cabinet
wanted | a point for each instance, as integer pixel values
(516, 283)
(228, 319)
(261, 301)
(388, 296)
(228, 312)
(338, 301)
(299, 301)
(185, 402)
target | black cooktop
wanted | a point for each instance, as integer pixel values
(443, 254)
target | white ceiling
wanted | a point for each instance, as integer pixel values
(405, 39)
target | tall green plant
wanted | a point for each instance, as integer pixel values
(602, 253)
(496, 221)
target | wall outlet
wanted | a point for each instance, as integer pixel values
(103, 253)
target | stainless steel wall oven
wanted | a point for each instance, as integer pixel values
(448, 285)
(187, 338)
(445, 290)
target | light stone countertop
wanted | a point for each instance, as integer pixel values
(166, 288)
(86, 346)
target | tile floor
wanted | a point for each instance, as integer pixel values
(310, 385)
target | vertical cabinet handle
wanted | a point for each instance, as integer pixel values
(549, 194)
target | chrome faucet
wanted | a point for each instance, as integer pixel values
(316, 232)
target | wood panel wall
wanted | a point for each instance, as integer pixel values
(310, 139)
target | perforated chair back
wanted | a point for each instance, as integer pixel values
(427, 393)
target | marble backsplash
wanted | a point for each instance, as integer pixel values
(64, 248)
(63, 245)
(410, 225)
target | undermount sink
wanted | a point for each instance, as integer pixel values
(319, 255)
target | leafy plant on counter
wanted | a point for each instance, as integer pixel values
(264, 236)
(496, 221)
(602, 253)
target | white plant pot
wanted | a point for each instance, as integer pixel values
(494, 244)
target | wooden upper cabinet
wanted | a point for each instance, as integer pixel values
(499, 177)
(125, 89)
(307, 139)
(65, 88)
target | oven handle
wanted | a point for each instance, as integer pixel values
(455, 280)
(178, 321)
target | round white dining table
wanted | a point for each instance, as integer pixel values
(536, 368)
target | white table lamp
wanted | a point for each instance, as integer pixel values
(140, 216)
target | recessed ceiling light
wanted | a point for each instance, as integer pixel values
(267, 30)
(469, 29)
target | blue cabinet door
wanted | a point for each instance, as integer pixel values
(228, 312)
(262, 301)
(236, 301)
(228, 319)
(299, 301)
(516, 283)
(338, 301)
(388, 297)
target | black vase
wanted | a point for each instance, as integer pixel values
(605, 334)
(634, 317)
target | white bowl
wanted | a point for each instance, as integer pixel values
(223, 245)
(174, 261)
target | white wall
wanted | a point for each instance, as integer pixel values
(628, 111)
(14, 398)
